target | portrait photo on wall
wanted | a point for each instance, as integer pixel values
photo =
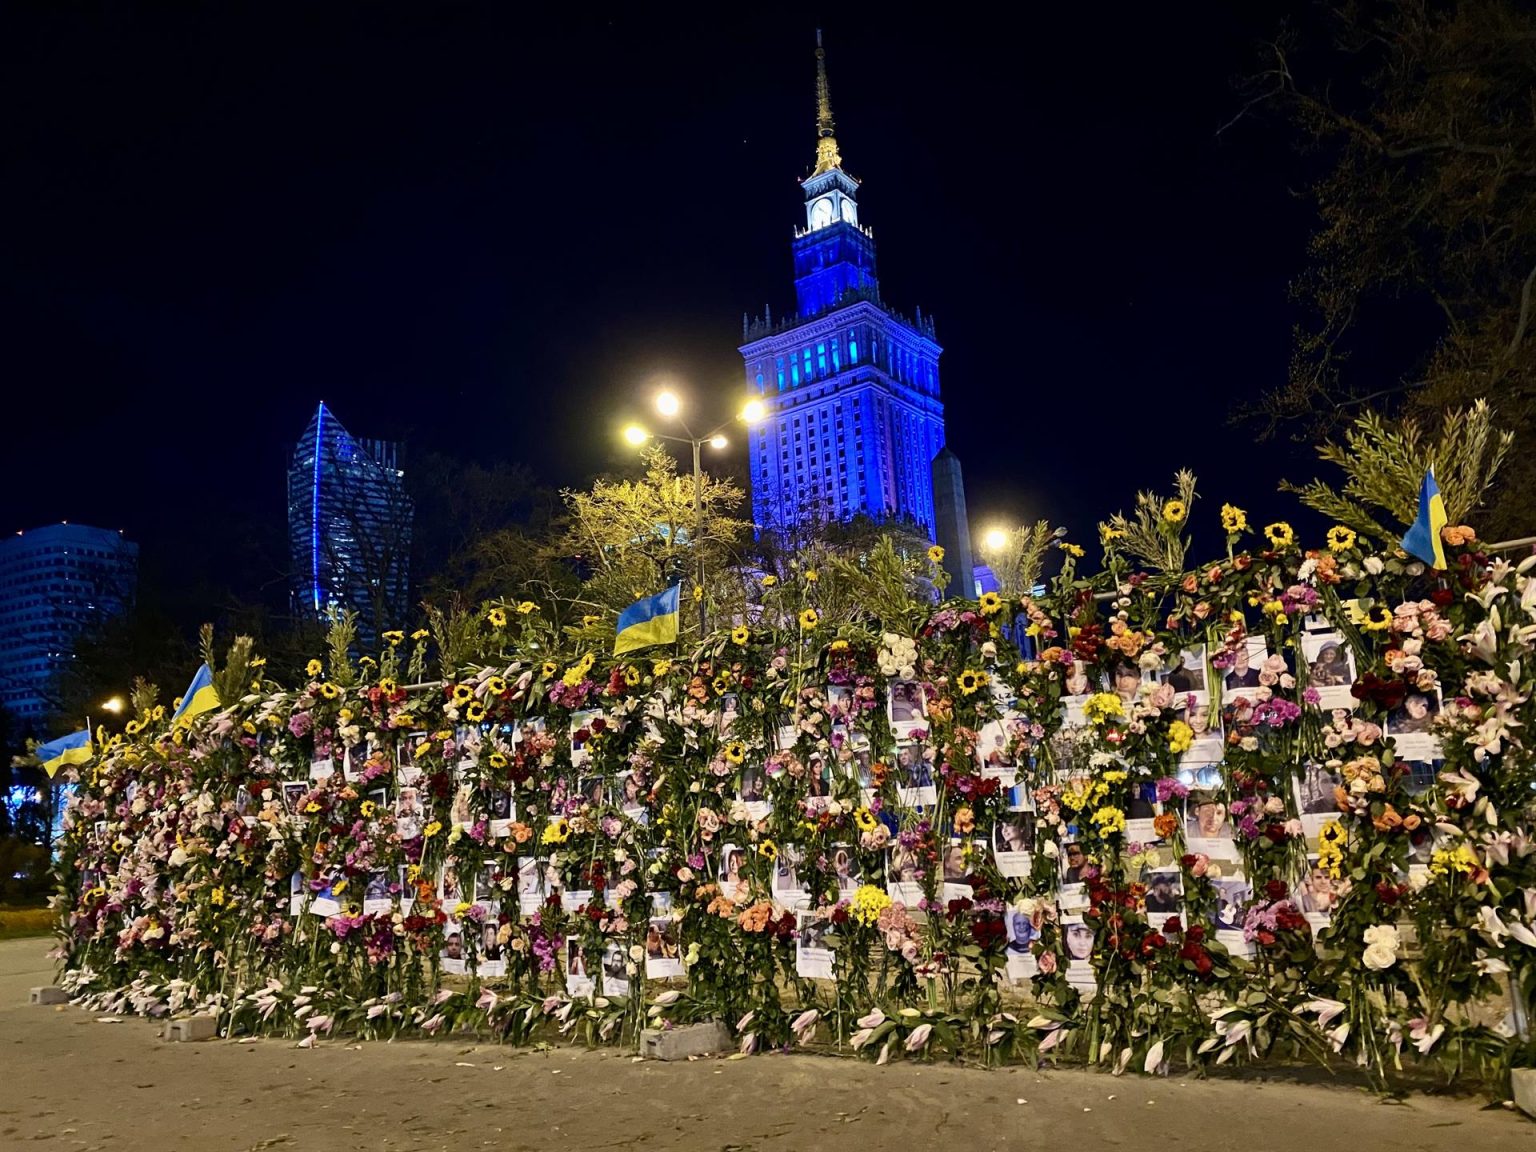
(1126, 679)
(1316, 790)
(1188, 675)
(1242, 674)
(907, 707)
(1415, 716)
(1014, 833)
(1330, 668)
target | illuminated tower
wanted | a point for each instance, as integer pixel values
(851, 387)
(349, 526)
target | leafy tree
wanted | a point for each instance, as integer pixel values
(1420, 114)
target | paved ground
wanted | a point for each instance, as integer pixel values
(67, 1081)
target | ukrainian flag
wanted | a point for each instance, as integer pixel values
(197, 699)
(72, 749)
(649, 621)
(1423, 540)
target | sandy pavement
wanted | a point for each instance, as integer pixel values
(67, 1082)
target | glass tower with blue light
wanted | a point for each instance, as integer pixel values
(349, 526)
(851, 386)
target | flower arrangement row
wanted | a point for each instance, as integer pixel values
(1276, 806)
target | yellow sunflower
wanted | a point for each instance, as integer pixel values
(735, 752)
(936, 554)
(768, 850)
(463, 693)
(739, 636)
(475, 712)
(526, 607)
(498, 760)
(329, 690)
(549, 669)
(496, 685)
(420, 634)
(809, 619)
(392, 638)
(1233, 519)
(314, 668)
(557, 831)
(1280, 534)
(631, 676)
(1340, 538)
(866, 820)
(989, 603)
(497, 617)
(1174, 512)
(971, 681)
(388, 686)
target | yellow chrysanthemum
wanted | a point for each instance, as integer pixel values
(1280, 534)
(1174, 512)
(1102, 706)
(314, 668)
(497, 617)
(1233, 519)
(739, 636)
(1180, 737)
(810, 574)
(1340, 538)
(989, 603)
(432, 829)
(809, 619)
(1109, 821)
(735, 752)
(869, 900)
(661, 668)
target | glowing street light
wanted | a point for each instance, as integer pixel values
(114, 705)
(753, 412)
(718, 441)
(995, 540)
(636, 435)
(667, 403)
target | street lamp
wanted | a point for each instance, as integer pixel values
(668, 404)
(995, 540)
(114, 705)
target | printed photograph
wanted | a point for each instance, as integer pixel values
(912, 767)
(1415, 717)
(955, 867)
(1315, 790)
(1077, 682)
(1126, 681)
(1233, 895)
(908, 707)
(661, 939)
(1206, 818)
(992, 745)
(1243, 673)
(844, 869)
(1078, 939)
(1329, 663)
(293, 796)
(1022, 929)
(1014, 834)
(1189, 674)
(753, 784)
(1165, 892)
(1073, 861)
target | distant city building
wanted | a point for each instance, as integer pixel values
(852, 388)
(349, 526)
(56, 583)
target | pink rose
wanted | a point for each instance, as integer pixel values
(1047, 963)
(1202, 862)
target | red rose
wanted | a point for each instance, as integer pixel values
(1276, 890)
(1195, 934)
(1172, 925)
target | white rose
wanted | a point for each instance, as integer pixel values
(1373, 565)
(636, 953)
(1051, 851)
(1379, 957)
(1384, 934)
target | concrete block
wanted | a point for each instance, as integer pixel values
(48, 995)
(689, 1040)
(1524, 1082)
(193, 1028)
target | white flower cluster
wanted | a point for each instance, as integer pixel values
(898, 656)
(1381, 947)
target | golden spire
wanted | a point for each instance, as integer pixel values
(827, 157)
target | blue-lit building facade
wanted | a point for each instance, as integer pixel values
(349, 526)
(56, 584)
(851, 386)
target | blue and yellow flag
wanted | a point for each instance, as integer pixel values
(1423, 540)
(72, 749)
(649, 621)
(198, 698)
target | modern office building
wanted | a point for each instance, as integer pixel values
(349, 526)
(851, 386)
(56, 583)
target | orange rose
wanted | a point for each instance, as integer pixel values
(1388, 820)
(1411, 821)
(1165, 825)
(965, 821)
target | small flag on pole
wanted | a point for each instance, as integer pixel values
(1423, 540)
(649, 621)
(72, 749)
(198, 698)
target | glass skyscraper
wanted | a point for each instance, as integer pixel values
(851, 386)
(349, 526)
(56, 583)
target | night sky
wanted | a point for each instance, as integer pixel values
(492, 238)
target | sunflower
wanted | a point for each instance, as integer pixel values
(526, 607)
(989, 603)
(497, 617)
(558, 831)
(1108, 534)
(463, 693)
(475, 712)
(809, 619)
(866, 820)
(329, 690)
(936, 554)
(721, 683)
(368, 808)
(1233, 519)
(314, 668)
(768, 850)
(1174, 512)
(631, 676)
(971, 681)
(810, 575)
(1280, 534)
(735, 752)
(498, 760)
(496, 685)
(549, 669)
(1379, 619)
(1340, 538)
(739, 636)
(133, 727)
(392, 638)
(770, 580)
(388, 686)
(420, 634)
(1073, 550)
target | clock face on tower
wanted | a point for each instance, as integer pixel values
(850, 211)
(821, 212)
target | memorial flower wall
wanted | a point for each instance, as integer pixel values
(1275, 806)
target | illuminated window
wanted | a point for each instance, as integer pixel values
(853, 350)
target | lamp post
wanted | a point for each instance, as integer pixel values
(670, 406)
